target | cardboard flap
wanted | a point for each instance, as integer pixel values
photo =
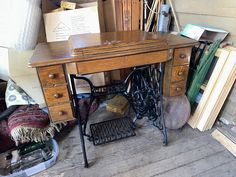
(203, 33)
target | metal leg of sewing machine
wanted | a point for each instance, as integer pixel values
(142, 88)
(146, 98)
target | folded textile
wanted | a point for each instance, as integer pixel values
(30, 123)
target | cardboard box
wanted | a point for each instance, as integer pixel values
(87, 19)
(202, 33)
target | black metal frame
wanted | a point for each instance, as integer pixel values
(112, 130)
(142, 88)
(196, 54)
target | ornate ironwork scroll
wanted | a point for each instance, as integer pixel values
(142, 88)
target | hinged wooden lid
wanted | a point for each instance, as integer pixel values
(128, 42)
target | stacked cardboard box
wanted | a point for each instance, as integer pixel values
(60, 25)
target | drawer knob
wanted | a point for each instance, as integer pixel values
(182, 56)
(178, 89)
(61, 113)
(180, 73)
(52, 76)
(57, 95)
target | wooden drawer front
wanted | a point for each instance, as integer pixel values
(179, 73)
(177, 88)
(61, 112)
(56, 95)
(182, 56)
(108, 64)
(51, 75)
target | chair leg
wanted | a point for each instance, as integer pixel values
(83, 144)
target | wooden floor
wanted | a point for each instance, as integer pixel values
(189, 153)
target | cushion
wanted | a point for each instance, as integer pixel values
(16, 96)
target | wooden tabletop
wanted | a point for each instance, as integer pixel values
(120, 38)
(63, 52)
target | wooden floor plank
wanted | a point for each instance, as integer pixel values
(146, 157)
(142, 155)
(224, 140)
(201, 165)
(225, 170)
(172, 162)
(117, 155)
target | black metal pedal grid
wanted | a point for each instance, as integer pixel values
(142, 88)
(111, 130)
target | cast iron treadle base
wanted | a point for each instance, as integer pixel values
(111, 130)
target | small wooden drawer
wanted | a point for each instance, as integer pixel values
(179, 73)
(56, 95)
(51, 75)
(177, 88)
(182, 56)
(62, 112)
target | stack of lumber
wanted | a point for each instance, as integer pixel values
(153, 16)
(227, 138)
(104, 45)
(216, 91)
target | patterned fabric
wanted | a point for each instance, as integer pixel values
(16, 96)
(28, 116)
(30, 123)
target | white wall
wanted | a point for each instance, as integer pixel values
(216, 13)
(19, 23)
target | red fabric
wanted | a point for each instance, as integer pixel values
(33, 116)
(28, 116)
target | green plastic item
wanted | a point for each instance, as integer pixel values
(201, 71)
(31, 147)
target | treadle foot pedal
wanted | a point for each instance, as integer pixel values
(112, 130)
